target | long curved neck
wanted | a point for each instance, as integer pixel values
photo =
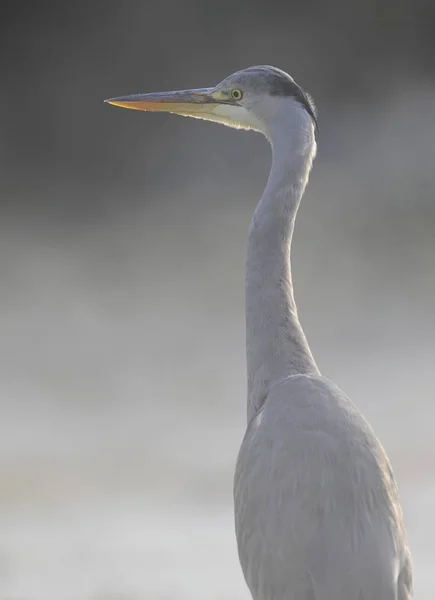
(275, 342)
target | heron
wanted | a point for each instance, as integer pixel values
(317, 508)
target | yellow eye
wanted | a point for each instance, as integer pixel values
(236, 94)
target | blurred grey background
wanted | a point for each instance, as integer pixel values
(122, 249)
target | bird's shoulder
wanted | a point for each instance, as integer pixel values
(312, 403)
(309, 429)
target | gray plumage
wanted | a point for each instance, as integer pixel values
(317, 511)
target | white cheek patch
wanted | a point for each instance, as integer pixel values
(226, 114)
(236, 116)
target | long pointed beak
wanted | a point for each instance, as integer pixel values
(184, 102)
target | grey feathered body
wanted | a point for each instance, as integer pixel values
(316, 506)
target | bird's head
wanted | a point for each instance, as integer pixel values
(249, 99)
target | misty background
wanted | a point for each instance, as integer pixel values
(122, 247)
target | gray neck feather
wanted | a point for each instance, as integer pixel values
(275, 342)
